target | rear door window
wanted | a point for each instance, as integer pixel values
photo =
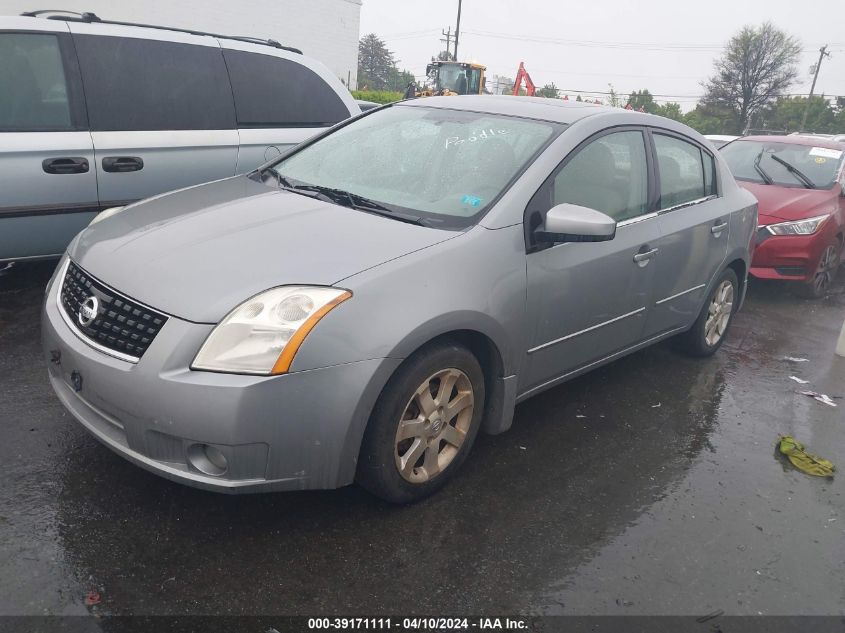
(33, 89)
(709, 174)
(135, 84)
(682, 174)
(276, 92)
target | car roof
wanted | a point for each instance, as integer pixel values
(556, 110)
(61, 15)
(813, 141)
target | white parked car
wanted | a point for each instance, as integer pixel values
(720, 140)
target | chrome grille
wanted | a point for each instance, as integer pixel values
(121, 324)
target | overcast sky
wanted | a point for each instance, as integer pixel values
(665, 46)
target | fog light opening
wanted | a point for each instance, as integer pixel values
(208, 460)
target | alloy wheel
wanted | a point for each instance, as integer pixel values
(719, 313)
(828, 263)
(434, 425)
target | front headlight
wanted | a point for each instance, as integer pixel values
(262, 335)
(799, 227)
(106, 213)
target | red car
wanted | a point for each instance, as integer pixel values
(799, 183)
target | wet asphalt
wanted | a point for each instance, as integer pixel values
(649, 486)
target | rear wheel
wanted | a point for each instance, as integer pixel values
(710, 328)
(423, 425)
(825, 273)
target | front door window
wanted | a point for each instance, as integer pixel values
(609, 175)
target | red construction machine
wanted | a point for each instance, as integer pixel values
(521, 75)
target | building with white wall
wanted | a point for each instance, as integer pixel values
(327, 30)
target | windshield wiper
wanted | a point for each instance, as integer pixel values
(339, 195)
(766, 178)
(809, 184)
(345, 198)
(360, 203)
(285, 184)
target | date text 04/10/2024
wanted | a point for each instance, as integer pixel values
(418, 624)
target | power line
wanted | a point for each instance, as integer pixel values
(600, 44)
(409, 36)
(681, 97)
(615, 74)
(586, 43)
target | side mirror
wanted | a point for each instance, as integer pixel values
(572, 223)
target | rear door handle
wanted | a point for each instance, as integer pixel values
(68, 165)
(120, 164)
(642, 258)
(717, 229)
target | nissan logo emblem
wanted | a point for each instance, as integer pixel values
(88, 311)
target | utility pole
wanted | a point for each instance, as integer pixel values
(448, 39)
(458, 30)
(822, 54)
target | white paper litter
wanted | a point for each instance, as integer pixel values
(796, 360)
(799, 380)
(824, 399)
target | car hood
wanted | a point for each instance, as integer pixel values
(777, 204)
(199, 252)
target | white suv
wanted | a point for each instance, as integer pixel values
(97, 114)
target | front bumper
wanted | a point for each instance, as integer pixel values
(790, 257)
(290, 432)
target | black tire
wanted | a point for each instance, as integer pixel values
(378, 470)
(695, 341)
(823, 277)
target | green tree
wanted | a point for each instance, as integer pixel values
(643, 99)
(398, 80)
(786, 114)
(756, 67)
(670, 111)
(708, 119)
(375, 63)
(549, 90)
(839, 118)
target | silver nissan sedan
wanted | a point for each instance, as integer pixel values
(359, 309)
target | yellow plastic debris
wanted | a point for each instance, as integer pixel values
(804, 461)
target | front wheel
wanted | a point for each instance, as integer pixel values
(825, 273)
(710, 328)
(423, 424)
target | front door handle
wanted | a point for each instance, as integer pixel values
(643, 257)
(717, 229)
(121, 164)
(68, 165)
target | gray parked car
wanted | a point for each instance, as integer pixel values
(360, 309)
(95, 114)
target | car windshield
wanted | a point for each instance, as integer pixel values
(443, 166)
(785, 164)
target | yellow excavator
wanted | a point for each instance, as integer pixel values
(447, 78)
